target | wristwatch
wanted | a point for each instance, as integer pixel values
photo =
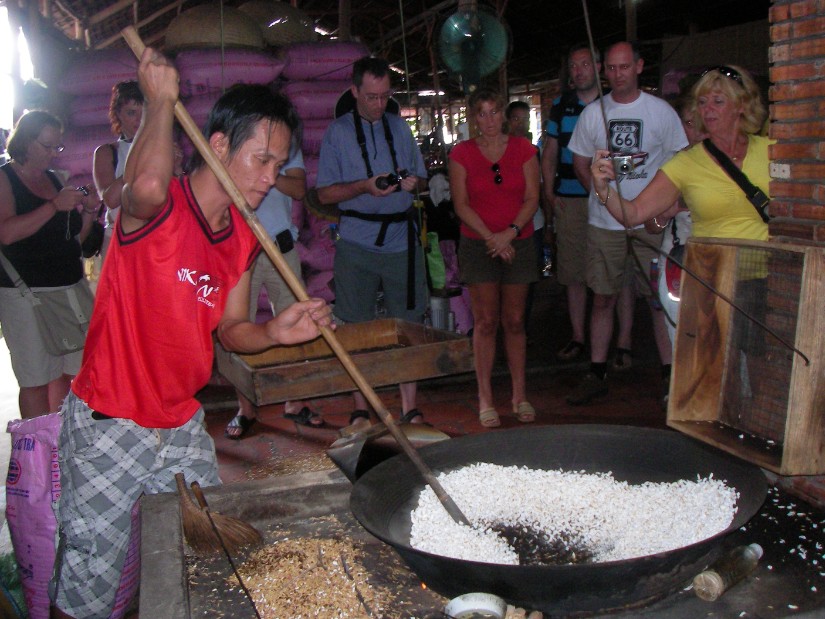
(516, 228)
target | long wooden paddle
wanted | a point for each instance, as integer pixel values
(136, 44)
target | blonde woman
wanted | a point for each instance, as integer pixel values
(494, 182)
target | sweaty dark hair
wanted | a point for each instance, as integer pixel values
(515, 105)
(27, 130)
(239, 109)
(369, 64)
(122, 93)
(582, 45)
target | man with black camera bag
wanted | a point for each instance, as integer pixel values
(370, 165)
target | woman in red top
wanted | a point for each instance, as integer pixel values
(494, 181)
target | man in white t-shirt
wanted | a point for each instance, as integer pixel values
(637, 123)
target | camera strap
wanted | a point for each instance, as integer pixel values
(755, 195)
(386, 219)
(362, 141)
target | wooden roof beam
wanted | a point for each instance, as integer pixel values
(109, 11)
(148, 20)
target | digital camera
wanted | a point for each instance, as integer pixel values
(391, 180)
(624, 164)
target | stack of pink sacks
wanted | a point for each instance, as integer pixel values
(313, 75)
(317, 74)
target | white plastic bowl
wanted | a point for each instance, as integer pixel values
(476, 606)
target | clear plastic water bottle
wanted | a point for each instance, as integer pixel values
(727, 571)
(547, 260)
(380, 305)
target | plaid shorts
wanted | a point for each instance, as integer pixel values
(105, 466)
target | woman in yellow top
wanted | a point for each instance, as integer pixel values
(730, 112)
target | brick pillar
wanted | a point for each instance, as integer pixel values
(797, 110)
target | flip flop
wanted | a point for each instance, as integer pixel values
(489, 418)
(623, 360)
(524, 412)
(306, 417)
(410, 415)
(573, 350)
(357, 414)
(238, 421)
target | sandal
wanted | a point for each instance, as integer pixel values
(306, 417)
(410, 415)
(623, 360)
(524, 412)
(573, 350)
(358, 414)
(238, 427)
(489, 418)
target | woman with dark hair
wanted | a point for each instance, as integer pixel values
(42, 225)
(494, 182)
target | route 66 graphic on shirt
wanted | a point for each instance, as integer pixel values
(625, 136)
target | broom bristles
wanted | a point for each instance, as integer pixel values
(198, 530)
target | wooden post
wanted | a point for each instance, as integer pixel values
(630, 19)
(344, 17)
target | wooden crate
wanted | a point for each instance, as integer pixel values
(736, 386)
(386, 352)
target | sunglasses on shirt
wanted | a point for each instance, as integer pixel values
(497, 171)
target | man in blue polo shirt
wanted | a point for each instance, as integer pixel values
(378, 247)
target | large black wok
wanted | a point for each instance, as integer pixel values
(383, 498)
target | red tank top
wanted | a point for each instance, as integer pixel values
(161, 293)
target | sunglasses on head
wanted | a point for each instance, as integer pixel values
(497, 170)
(727, 72)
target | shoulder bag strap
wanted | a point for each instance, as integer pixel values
(755, 195)
(14, 276)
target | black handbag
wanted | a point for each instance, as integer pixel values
(94, 240)
(755, 195)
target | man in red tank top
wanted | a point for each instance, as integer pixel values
(177, 271)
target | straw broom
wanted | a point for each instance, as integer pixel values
(228, 533)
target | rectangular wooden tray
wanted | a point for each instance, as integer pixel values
(386, 351)
(779, 425)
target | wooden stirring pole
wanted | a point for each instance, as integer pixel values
(136, 44)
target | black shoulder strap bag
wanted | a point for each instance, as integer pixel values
(755, 195)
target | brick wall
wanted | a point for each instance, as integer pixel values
(797, 95)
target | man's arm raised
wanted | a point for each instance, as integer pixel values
(150, 164)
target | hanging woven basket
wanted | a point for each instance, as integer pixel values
(200, 26)
(280, 22)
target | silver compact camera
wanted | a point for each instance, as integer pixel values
(625, 163)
